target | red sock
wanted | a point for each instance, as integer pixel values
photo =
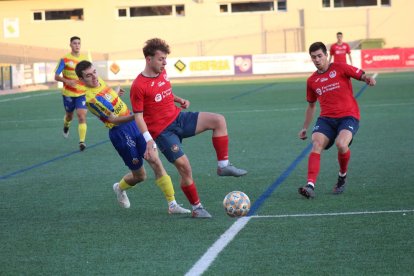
(191, 193)
(221, 145)
(343, 160)
(314, 164)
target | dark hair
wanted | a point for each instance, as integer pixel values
(154, 44)
(339, 33)
(316, 46)
(81, 66)
(74, 38)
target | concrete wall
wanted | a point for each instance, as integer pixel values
(203, 31)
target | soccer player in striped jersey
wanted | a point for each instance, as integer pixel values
(130, 144)
(339, 117)
(73, 91)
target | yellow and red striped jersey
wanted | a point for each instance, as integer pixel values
(103, 101)
(66, 66)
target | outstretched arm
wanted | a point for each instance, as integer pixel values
(368, 80)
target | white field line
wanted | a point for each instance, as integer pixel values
(227, 112)
(211, 254)
(207, 259)
(26, 97)
(335, 214)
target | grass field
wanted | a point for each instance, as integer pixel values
(59, 215)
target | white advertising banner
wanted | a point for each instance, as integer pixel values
(282, 63)
(200, 66)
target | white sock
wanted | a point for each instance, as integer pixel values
(196, 206)
(342, 174)
(310, 183)
(172, 203)
(223, 163)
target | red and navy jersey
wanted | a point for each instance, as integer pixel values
(333, 90)
(339, 52)
(154, 97)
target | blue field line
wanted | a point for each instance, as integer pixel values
(259, 202)
(254, 90)
(3, 177)
(279, 180)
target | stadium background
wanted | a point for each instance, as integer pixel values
(32, 33)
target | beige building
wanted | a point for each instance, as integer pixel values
(39, 30)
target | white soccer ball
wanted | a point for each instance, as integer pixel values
(236, 204)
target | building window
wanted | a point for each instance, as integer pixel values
(150, 11)
(385, 2)
(264, 6)
(281, 5)
(180, 10)
(354, 3)
(122, 12)
(224, 8)
(37, 16)
(76, 14)
(252, 6)
(145, 11)
(326, 3)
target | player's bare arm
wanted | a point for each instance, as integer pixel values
(151, 150)
(184, 104)
(71, 83)
(120, 91)
(309, 113)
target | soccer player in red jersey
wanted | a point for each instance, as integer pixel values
(339, 117)
(339, 50)
(165, 124)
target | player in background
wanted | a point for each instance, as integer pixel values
(164, 123)
(106, 104)
(73, 90)
(340, 50)
(339, 117)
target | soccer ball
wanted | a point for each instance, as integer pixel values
(236, 204)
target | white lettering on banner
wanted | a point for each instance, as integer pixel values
(387, 57)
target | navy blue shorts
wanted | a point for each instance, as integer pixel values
(129, 143)
(169, 141)
(70, 103)
(332, 126)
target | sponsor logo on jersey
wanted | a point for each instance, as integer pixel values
(175, 148)
(158, 98)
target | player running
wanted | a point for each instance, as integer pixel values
(73, 91)
(106, 104)
(339, 117)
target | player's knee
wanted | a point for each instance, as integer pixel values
(342, 145)
(140, 176)
(317, 146)
(221, 120)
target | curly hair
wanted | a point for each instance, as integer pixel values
(154, 44)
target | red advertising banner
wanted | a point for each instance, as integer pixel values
(387, 58)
